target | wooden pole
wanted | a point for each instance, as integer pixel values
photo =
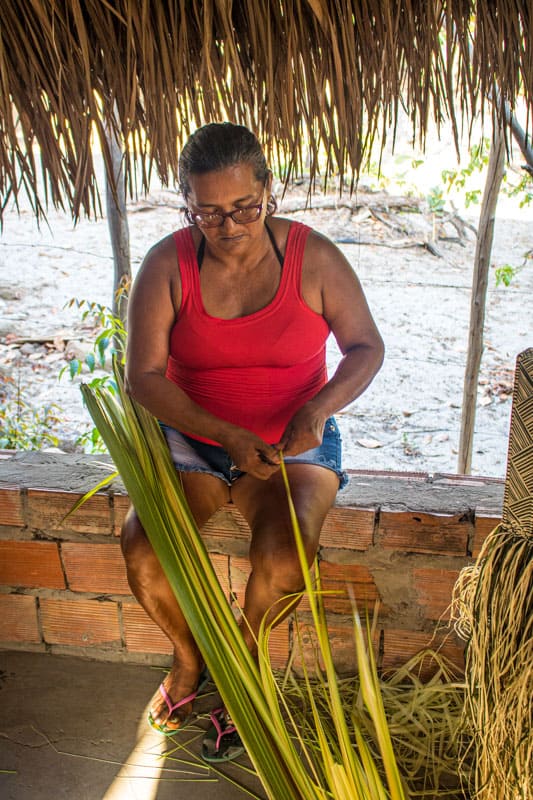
(479, 296)
(524, 141)
(117, 221)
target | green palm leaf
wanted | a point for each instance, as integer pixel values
(249, 691)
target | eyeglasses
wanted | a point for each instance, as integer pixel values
(242, 216)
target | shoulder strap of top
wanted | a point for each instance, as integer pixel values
(187, 263)
(294, 254)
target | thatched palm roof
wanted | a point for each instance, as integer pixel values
(328, 73)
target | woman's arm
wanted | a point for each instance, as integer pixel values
(331, 288)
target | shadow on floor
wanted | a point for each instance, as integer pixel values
(76, 728)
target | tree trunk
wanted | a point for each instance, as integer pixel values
(118, 227)
(479, 295)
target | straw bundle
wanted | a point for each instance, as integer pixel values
(494, 602)
(316, 80)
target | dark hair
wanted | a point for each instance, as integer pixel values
(219, 145)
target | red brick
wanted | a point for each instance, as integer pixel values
(226, 524)
(350, 528)
(120, 504)
(402, 645)
(80, 622)
(95, 568)
(341, 638)
(278, 646)
(239, 571)
(47, 509)
(434, 588)
(482, 527)
(31, 564)
(18, 618)
(221, 566)
(417, 532)
(338, 577)
(11, 512)
(140, 633)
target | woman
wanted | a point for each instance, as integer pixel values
(228, 321)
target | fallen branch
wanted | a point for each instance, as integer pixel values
(393, 243)
(378, 202)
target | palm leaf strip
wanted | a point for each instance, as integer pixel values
(139, 451)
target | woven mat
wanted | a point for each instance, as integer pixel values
(518, 493)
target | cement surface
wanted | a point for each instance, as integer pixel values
(393, 492)
(77, 729)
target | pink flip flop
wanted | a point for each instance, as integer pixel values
(167, 730)
(221, 741)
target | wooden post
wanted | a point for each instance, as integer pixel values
(117, 221)
(479, 295)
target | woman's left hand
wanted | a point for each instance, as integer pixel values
(304, 431)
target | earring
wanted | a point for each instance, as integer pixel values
(272, 205)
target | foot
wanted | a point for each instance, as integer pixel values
(221, 741)
(172, 705)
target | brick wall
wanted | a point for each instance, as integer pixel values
(398, 538)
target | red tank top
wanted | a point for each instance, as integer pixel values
(254, 371)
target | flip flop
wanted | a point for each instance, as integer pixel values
(167, 730)
(221, 741)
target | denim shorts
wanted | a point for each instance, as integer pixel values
(191, 455)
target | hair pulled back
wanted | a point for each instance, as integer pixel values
(219, 145)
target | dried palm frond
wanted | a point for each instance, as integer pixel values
(494, 607)
(317, 81)
(423, 718)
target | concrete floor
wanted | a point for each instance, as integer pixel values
(76, 728)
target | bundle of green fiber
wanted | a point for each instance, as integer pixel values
(493, 603)
(287, 768)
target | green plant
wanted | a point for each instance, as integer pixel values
(23, 426)
(457, 178)
(504, 275)
(472, 197)
(507, 273)
(404, 164)
(523, 187)
(110, 342)
(435, 200)
(91, 441)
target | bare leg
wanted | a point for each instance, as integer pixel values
(205, 495)
(274, 559)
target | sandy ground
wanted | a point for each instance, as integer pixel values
(409, 419)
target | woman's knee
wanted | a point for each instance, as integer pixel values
(133, 539)
(279, 567)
